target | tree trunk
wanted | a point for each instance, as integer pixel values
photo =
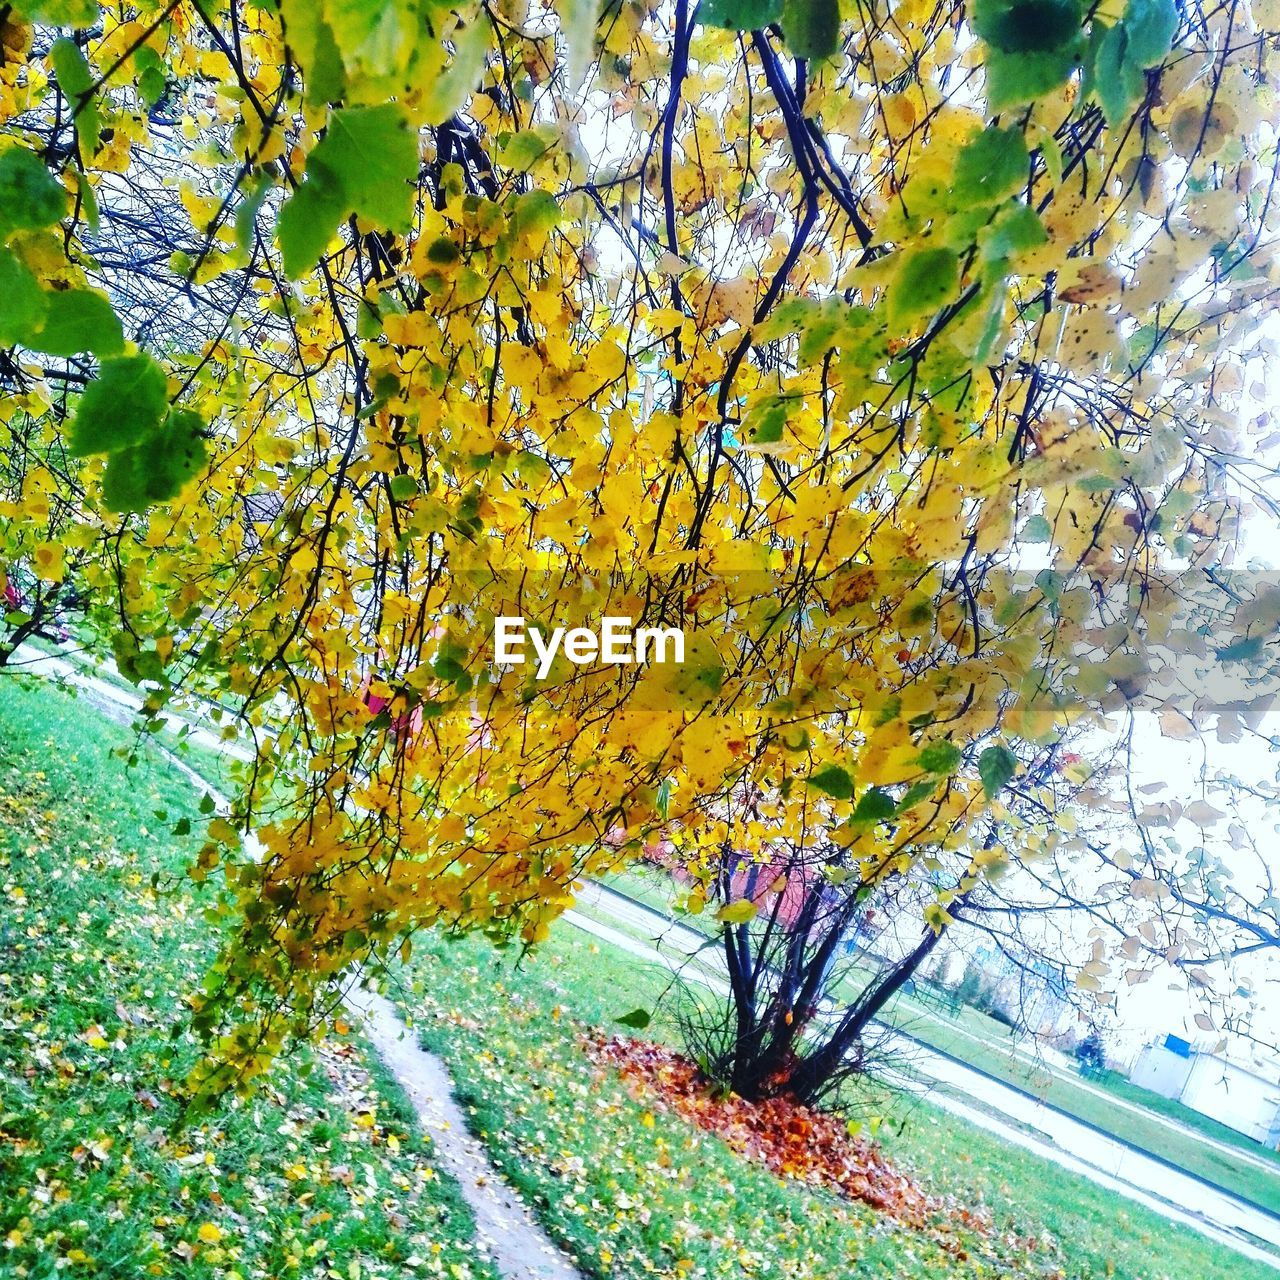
(813, 1073)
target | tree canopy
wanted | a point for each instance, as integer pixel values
(903, 355)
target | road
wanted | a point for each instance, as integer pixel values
(1019, 1119)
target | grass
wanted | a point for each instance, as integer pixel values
(632, 1191)
(216, 767)
(1239, 1176)
(991, 1047)
(322, 1175)
(1115, 1083)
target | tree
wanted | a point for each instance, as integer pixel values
(805, 995)
(800, 333)
(37, 550)
(802, 1006)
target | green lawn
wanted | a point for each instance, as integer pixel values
(321, 1176)
(990, 1046)
(634, 1192)
(1233, 1174)
(1115, 1083)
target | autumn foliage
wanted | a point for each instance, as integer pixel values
(890, 352)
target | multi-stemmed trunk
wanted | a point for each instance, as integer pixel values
(777, 1038)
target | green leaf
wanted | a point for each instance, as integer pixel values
(247, 214)
(1037, 529)
(939, 756)
(450, 92)
(207, 804)
(373, 34)
(823, 328)
(764, 424)
(1120, 55)
(75, 79)
(994, 165)
(918, 791)
(536, 212)
(740, 15)
(151, 78)
(374, 155)
(637, 1018)
(121, 407)
(834, 781)
(1150, 26)
(874, 805)
(996, 766)
(811, 27)
(449, 661)
(25, 303)
(521, 150)
(1015, 229)
(1117, 82)
(313, 43)
(665, 792)
(78, 320)
(926, 279)
(1027, 26)
(367, 163)
(403, 488)
(62, 13)
(182, 827)
(308, 220)
(1015, 78)
(157, 469)
(30, 197)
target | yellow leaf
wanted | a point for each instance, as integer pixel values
(737, 912)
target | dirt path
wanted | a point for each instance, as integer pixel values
(507, 1232)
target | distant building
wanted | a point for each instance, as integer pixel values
(1241, 1097)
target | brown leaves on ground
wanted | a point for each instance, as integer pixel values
(794, 1141)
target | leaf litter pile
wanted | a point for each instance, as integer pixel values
(792, 1140)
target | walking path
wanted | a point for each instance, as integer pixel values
(1020, 1119)
(516, 1244)
(506, 1231)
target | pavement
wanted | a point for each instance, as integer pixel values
(1009, 1114)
